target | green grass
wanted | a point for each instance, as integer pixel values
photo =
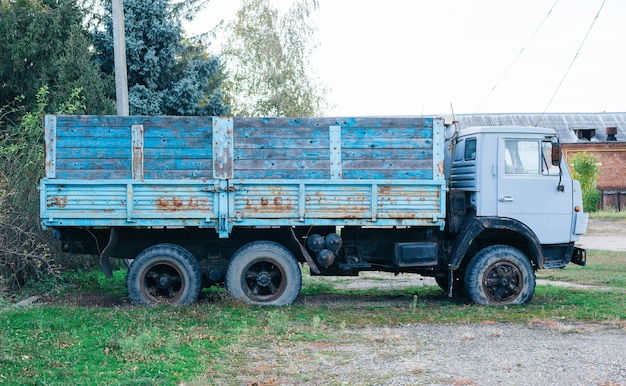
(604, 268)
(61, 343)
(608, 215)
(50, 344)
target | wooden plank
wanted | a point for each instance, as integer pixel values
(379, 174)
(281, 174)
(223, 148)
(177, 142)
(77, 174)
(387, 132)
(137, 152)
(92, 142)
(128, 121)
(372, 164)
(50, 137)
(66, 164)
(179, 164)
(335, 152)
(266, 134)
(93, 131)
(293, 143)
(204, 133)
(178, 153)
(97, 152)
(333, 121)
(370, 153)
(386, 143)
(282, 154)
(176, 174)
(288, 164)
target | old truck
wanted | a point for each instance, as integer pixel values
(194, 202)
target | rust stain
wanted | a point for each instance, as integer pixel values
(177, 204)
(58, 201)
(385, 189)
(263, 201)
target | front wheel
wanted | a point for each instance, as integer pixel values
(164, 274)
(264, 273)
(500, 275)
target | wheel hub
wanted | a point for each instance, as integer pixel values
(163, 281)
(264, 279)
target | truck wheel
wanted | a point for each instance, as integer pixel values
(264, 273)
(164, 274)
(500, 275)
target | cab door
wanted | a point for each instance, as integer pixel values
(530, 190)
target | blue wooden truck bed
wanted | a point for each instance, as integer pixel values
(222, 172)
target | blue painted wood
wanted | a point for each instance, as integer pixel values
(225, 172)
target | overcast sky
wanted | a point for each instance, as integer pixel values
(411, 57)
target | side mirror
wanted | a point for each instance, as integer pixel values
(556, 154)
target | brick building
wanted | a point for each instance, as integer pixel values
(601, 134)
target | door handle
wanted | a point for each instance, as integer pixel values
(506, 199)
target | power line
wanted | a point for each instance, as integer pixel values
(517, 57)
(571, 63)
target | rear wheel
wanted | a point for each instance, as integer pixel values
(500, 275)
(163, 274)
(264, 273)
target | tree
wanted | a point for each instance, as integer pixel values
(45, 43)
(586, 169)
(267, 61)
(167, 74)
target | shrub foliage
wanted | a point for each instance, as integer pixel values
(586, 169)
(25, 251)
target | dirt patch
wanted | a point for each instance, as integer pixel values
(608, 235)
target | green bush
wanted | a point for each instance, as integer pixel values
(25, 251)
(586, 169)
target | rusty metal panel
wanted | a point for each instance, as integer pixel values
(223, 148)
(402, 201)
(128, 203)
(262, 199)
(356, 202)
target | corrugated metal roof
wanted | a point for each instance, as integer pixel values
(565, 124)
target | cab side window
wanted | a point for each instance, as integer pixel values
(521, 156)
(546, 160)
(470, 149)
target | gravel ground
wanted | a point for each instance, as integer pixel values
(536, 353)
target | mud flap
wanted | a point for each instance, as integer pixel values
(106, 253)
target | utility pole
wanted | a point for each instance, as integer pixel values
(119, 54)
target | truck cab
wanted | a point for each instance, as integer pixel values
(511, 183)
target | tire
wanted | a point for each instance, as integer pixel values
(164, 274)
(500, 275)
(264, 273)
